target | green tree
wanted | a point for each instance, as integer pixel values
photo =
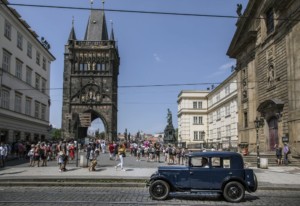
(56, 134)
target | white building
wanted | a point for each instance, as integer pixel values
(209, 118)
(24, 79)
(192, 118)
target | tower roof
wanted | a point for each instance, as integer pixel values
(96, 29)
(72, 35)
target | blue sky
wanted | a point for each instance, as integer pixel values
(154, 49)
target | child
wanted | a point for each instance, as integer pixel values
(30, 155)
(61, 161)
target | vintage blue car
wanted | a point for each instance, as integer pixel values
(221, 172)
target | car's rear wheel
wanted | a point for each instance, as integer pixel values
(159, 190)
(234, 192)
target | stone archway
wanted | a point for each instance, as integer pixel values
(81, 132)
(270, 110)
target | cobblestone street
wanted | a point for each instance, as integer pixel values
(129, 196)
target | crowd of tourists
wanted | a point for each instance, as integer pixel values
(63, 151)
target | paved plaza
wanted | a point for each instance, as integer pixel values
(285, 177)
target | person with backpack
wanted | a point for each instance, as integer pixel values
(286, 152)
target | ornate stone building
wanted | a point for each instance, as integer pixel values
(266, 45)
(91, 69)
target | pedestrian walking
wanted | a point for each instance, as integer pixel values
(278, 153)
(3, 154)
(61, 161)
(286, 152)
(36, 155)
(111, 149)
(31, 156)
(121, 154)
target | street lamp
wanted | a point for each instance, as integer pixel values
(259, 122)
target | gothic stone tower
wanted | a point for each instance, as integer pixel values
(90, 84)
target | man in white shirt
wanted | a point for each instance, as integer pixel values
(3, 154)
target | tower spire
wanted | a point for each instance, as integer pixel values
(96, 28)
(112, 36)
(72, 35)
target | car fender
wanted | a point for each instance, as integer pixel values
(160, 177)
(234, 178)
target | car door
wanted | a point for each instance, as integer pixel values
(200, 177)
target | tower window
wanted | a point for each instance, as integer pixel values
(270, 21)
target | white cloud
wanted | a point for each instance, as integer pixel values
(156, 57)
(223, 69)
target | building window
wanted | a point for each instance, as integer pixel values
(198, 120)
(194, 105)
(201, 135)
(37, 81)
(44, 66)
(218, 114)
(43, 85)
(29, 50)
(38, 58)
(228, 130)
(245, 119)
(28, 106)
(5, 98)
(197, 105)
(227, 90)
(195, 135)
(37, 110)
(270, 20)
(18, 102)
(43, 112)
(7, 30)
(19, 66)
(20, 41)
(28, 75)
(227, 110)
(6, 61)
(219, 133)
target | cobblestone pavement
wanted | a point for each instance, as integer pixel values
(28, 196)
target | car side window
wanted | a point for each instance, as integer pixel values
(226, 163)
(199, 162)
(215, 162)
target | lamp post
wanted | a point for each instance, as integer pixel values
(259, 122)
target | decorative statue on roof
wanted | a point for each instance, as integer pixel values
(169, 117)
(239, 9)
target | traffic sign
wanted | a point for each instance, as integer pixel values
(85, 119)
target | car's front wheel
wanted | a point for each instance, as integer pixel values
(159, 190)
(234, 192)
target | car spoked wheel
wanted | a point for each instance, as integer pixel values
(234, 192)
(159, 190)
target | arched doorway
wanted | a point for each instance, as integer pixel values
(273, 133)
(97, 129)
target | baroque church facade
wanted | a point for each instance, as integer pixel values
(266, 46)
(90, 79)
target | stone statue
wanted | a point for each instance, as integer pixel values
(239, 9)
(169, 117)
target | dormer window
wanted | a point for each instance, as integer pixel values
(270, 20)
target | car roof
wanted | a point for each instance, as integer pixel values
(214, 154)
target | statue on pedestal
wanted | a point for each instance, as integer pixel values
(169, 137)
